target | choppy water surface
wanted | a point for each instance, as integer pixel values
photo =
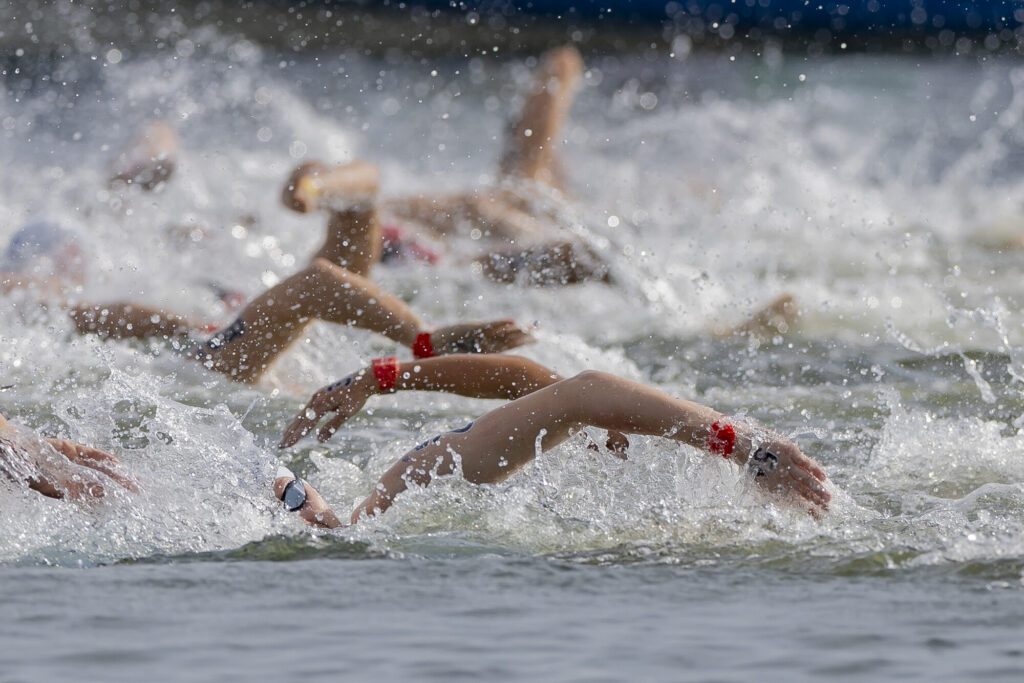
(883, 192)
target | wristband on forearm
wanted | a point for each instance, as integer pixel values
(423, 347)
(721, 439)
(386, 372)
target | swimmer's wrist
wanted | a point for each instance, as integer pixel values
(383, 375)
(729, 439)
(424, 346)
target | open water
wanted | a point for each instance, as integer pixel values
(884, 192)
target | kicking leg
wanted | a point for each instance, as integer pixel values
(353, 239)
(494, 212)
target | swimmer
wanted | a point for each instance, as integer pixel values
(57, 468)
(501, 442)
(272, 322)
(506, 214)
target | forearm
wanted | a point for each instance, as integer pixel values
(128, 321)
(614, 403)
(475, 375)
(322, 518)
(413, 468)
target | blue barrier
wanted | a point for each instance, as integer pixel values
(849, 16)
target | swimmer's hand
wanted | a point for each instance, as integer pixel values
(344, 398)
(792, 474)
(60, 482)
(487, 337)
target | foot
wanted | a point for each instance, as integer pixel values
(777, 318)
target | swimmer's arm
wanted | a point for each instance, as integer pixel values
(471, 375)
(130, 321)
(415, 467)
(482, 376)
(93, 458)
(475, 376)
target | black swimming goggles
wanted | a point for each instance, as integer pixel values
(294, 494)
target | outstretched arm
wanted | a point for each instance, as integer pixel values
(57, 468)
(273, 321)
(504, 440)
(475, 376)
(130, 321)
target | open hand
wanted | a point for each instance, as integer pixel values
(93, 458)
(55, 479)
(486, 337)
(344, 398)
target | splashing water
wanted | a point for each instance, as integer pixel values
(883, 192)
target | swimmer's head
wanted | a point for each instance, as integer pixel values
(45, 249)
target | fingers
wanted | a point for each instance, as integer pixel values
(811, 467)
(93, 455)
(797, 459)
(332, 426)
(505, 334)
(122, 480)
(298, 428)
(94, 459)
(807, 486)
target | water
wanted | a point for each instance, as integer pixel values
(883, 192)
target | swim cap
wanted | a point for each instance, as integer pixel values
(44, 240)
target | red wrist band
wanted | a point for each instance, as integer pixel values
(386, 372)
(721, 439)
(422, 348)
